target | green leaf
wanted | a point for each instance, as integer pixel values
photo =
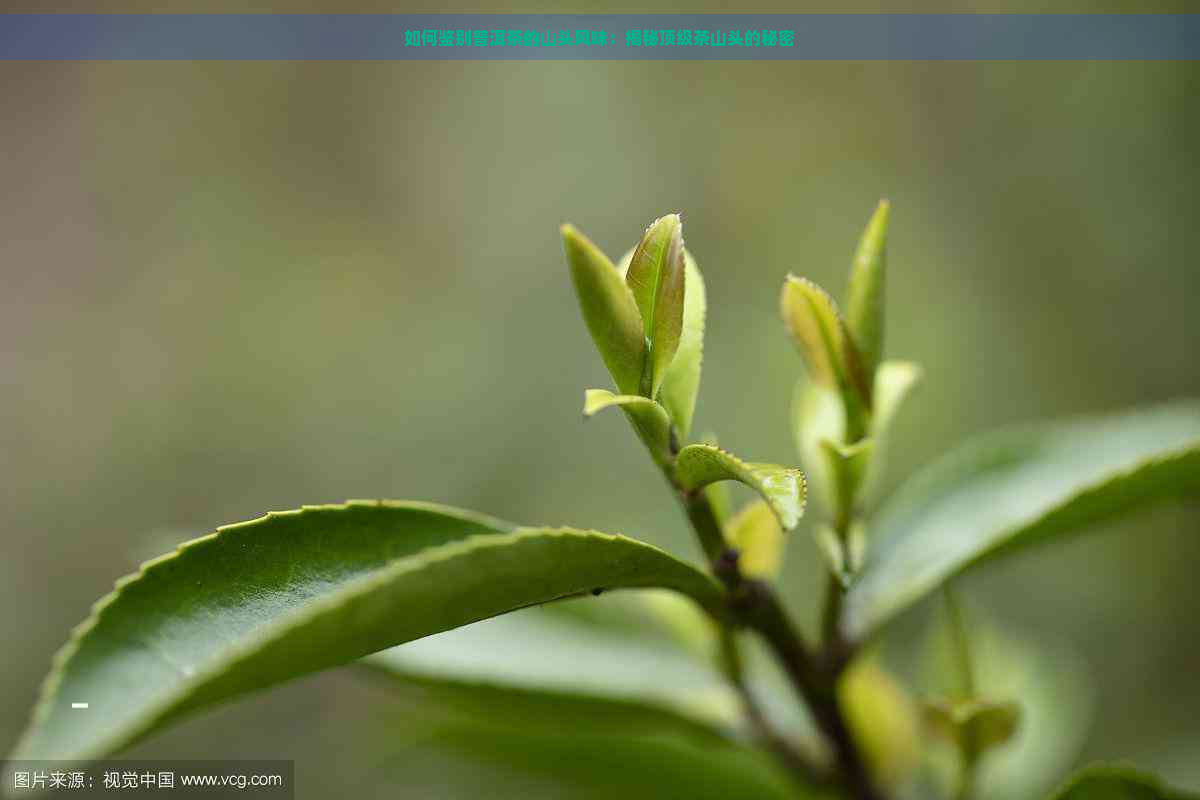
(682, 381)
(894, 381)
(973, 723)
(848, 467)
(830, 545)
(756, 534)
(1015, 488)
(294, 592)
(569, 755)
(556, 655)
(648, 418)
(657, 277)
(865, 302)
(609, 310)
(698, 465)
(817, 416)
(883, 719)
(1055, 691)
(829, 353)
(617, 667)
(681, 384)
(1116, 782)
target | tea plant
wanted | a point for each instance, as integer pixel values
(260, 602)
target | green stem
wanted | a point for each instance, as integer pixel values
(961, 644)
(798, 763)
(960, 641)
(754, 605)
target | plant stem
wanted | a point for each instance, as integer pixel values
(969, 747)
(799, 763)
(754, 605)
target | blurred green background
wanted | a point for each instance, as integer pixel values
(230, 288)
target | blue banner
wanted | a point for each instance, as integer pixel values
(870, 37)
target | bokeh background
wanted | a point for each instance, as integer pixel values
(229, 288)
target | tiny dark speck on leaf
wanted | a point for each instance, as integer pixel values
(597, 592)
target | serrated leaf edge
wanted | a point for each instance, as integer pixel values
(508, 534)
(754, 469)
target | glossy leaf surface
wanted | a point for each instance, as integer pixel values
(1015, 488)
(293, 592)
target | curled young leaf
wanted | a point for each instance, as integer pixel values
(648, 418)
(698, 465)
(865, 301)
(681, 384)
(829, 353)
(657, 279)
(609, 310)
(754, 530)
(848, 465)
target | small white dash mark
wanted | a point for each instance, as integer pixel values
(79, 705)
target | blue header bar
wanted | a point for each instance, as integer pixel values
(742, 37)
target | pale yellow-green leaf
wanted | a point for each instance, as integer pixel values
(648, 418)
(754, 530)
(609, 310)
(820, 334)
(817, 415)
(894, 381)
(974, 724)
(699, 465)
(657, 279)
(865, 298)
(848, 466)
(883, 719)
(833, 549)
(681, 384)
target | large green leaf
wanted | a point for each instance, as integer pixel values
(699, 465)
(609, 310)
(623, 673)
(540, 653)
(1116, 782)
(566, 751)
(1015, 488)
(261, 602)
